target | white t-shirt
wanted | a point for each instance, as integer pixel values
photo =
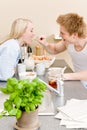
(79, 59)
(9, 56)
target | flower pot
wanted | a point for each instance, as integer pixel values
(28, 121)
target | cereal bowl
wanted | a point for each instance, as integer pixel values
(48, 63)
(46, 59)
(27, 75)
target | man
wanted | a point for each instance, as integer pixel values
(73, 31)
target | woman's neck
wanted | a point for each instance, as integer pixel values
(21, 42)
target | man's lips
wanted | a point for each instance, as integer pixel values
(64, 40)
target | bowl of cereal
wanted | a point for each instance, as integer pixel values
(46, 59)
(27, 75)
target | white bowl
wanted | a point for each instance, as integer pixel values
(55, 72)
(48, 63)
(27, 75)
(47, 60)
(57, 69)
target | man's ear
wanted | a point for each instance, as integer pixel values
(75, 34)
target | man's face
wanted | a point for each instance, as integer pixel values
(66, 36)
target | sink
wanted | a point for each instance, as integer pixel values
(47, 107)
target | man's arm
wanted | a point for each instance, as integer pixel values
(81, 75)
(53, 48)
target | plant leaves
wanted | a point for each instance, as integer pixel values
(18, 114)
(17, 102)
(25, 95)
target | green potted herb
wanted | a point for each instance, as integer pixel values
(24, 97)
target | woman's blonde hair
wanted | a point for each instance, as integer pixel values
(17, 29)
(73, 23)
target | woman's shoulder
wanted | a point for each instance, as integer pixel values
(11, 43)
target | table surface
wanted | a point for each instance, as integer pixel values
(72, 89)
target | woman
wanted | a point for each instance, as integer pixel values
(73, 31)
(21, 33)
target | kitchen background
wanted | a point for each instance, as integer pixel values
(43, 13)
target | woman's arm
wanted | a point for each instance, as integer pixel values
(8, 61)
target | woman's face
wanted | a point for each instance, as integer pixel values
(28, 34)
(66, 36)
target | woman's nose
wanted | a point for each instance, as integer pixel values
(60, 35)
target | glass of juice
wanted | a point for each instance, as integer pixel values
(52, 83)
(52, 80)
